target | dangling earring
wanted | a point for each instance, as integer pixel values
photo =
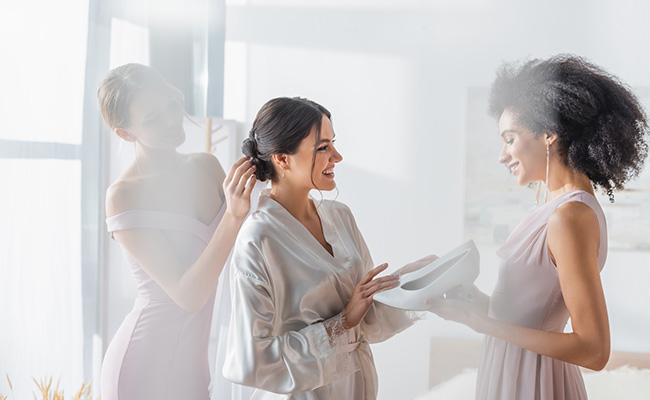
(539, 184)
(284, 172)
(548, 155)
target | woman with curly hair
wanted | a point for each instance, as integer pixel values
(570, 124)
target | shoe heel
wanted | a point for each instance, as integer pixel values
(456, 292)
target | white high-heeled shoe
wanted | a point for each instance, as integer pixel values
(459, 267)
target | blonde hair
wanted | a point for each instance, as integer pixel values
(119, 87)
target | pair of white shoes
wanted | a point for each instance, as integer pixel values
(458, 268)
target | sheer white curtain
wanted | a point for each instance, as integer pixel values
(43, 46)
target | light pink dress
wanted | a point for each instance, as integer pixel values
(161, 351)
(528, 294)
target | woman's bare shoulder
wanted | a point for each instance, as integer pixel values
(207, 163)
(122, 195)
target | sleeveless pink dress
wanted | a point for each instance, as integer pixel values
(160, 351)
(528, 294)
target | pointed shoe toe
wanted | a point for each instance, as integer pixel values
(459, 267)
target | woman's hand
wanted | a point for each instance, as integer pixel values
(238, 186)
(466, 309)
(416, 265)
(362, 296)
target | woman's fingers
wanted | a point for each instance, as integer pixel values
(439, 306)
(249, 186)
(241, 171)
(416, 265)
(243, 180)
(451, 310)
(391, 279)
(373, 272)
(381, 287)
(379, 284)
(234, 167)
(238, 172)
(238, 186)
(362, 300)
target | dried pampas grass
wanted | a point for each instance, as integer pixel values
(49, 393)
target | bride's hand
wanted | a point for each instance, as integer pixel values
(237, 187)
(416, 265)
(362, 296)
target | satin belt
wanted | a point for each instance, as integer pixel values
(371, 382)
(350, 347)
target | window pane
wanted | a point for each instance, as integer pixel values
(40, 266)
(42, 79)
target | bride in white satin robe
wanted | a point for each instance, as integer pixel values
(287, 334)
(285, 288)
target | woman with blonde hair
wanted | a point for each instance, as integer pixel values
(176, 217)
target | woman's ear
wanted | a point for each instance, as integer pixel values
(281, 161)
(124, 134)
(550, 138)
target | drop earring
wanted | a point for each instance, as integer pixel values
(548, 156)
(539, 188)
(539, 184)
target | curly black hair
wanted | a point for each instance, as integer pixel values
(600, 124)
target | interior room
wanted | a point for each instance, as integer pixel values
(407, 83)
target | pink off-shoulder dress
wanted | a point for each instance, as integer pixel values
(161, 351)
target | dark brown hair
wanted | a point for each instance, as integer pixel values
(279, 127)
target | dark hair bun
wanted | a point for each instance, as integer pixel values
(249, 149)
(279, 128)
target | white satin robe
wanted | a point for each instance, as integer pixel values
(285, 288)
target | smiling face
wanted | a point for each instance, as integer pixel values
(523, 152)
(156, 119)
(299, 164)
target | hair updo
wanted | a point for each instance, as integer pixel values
(279, 127)
(600, 125)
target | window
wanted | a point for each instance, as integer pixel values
(48, 207)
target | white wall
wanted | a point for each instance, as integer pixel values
(394, 74)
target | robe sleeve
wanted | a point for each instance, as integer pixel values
(382, 321)
(288, 362)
